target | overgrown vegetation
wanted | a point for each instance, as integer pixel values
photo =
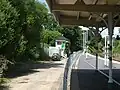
(116, 49)
(95, 44)
(74, 34)
(49, 37)
(26, 29)
(21, 26)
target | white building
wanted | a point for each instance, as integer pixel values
(60, 43)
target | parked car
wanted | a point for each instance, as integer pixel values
(56, 57)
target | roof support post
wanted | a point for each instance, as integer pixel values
(87, 43)
(84, 41)
(110, 32)
(106, 62)
(96, 35)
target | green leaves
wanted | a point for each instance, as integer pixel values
(74, 34)
(116, 48)
(21, 24)
(49, 37)
(8, 21)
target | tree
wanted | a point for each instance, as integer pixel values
(21, 29)
(116, 48)
(93, 44)
(74, 34)
(8, 28)
(8, 21)
(51, 24)
(49, 37)
(9, 18)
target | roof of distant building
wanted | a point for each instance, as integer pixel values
(62, 38)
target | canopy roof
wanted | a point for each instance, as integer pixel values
(62, 38)
(84, 12)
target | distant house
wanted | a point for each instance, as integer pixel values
(60, 43)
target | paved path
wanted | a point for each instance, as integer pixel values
(92, 61)
(86, 77)
(42, 79)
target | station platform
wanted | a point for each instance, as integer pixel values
(86, 77)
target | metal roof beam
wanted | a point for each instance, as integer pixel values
(72, 21)
(87, 8)
(74, 17)
(82, 22)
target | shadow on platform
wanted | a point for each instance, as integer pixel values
(88, 79)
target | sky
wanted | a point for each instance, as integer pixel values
(43, 1)
(104, 33)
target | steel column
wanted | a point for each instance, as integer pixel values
(106, 62)
(110, 32)
(83, 41)
(105, 55)
(96, 34)
(86, 43)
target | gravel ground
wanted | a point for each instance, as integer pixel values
(41, 79)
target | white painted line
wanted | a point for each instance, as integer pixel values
(76, 65)
(104, 58)
(89, 64)
(79, 55)
(108, 77)
(76, 59)
(102, 73)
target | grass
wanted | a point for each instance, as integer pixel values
(3, 84)
(116, 56)
(4, 80)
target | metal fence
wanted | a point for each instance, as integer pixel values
(71, 64)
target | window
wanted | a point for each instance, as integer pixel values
(59, 42)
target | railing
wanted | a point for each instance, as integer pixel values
(71, 64)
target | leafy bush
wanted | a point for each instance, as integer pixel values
(8, 21)
(49, 37)
(3, 64)
(74, 34)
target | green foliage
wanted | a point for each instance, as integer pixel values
(3, 80)
(116, 48)
(23, 29)
(95, 43)
(49, 37)
(74, 34)
(21, 24)
(21, 45)
(3, 64)
(50, 24)
(93, 47)
(8, 21)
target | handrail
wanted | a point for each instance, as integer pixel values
(71, 63)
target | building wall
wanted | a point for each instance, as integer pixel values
(59, 45)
